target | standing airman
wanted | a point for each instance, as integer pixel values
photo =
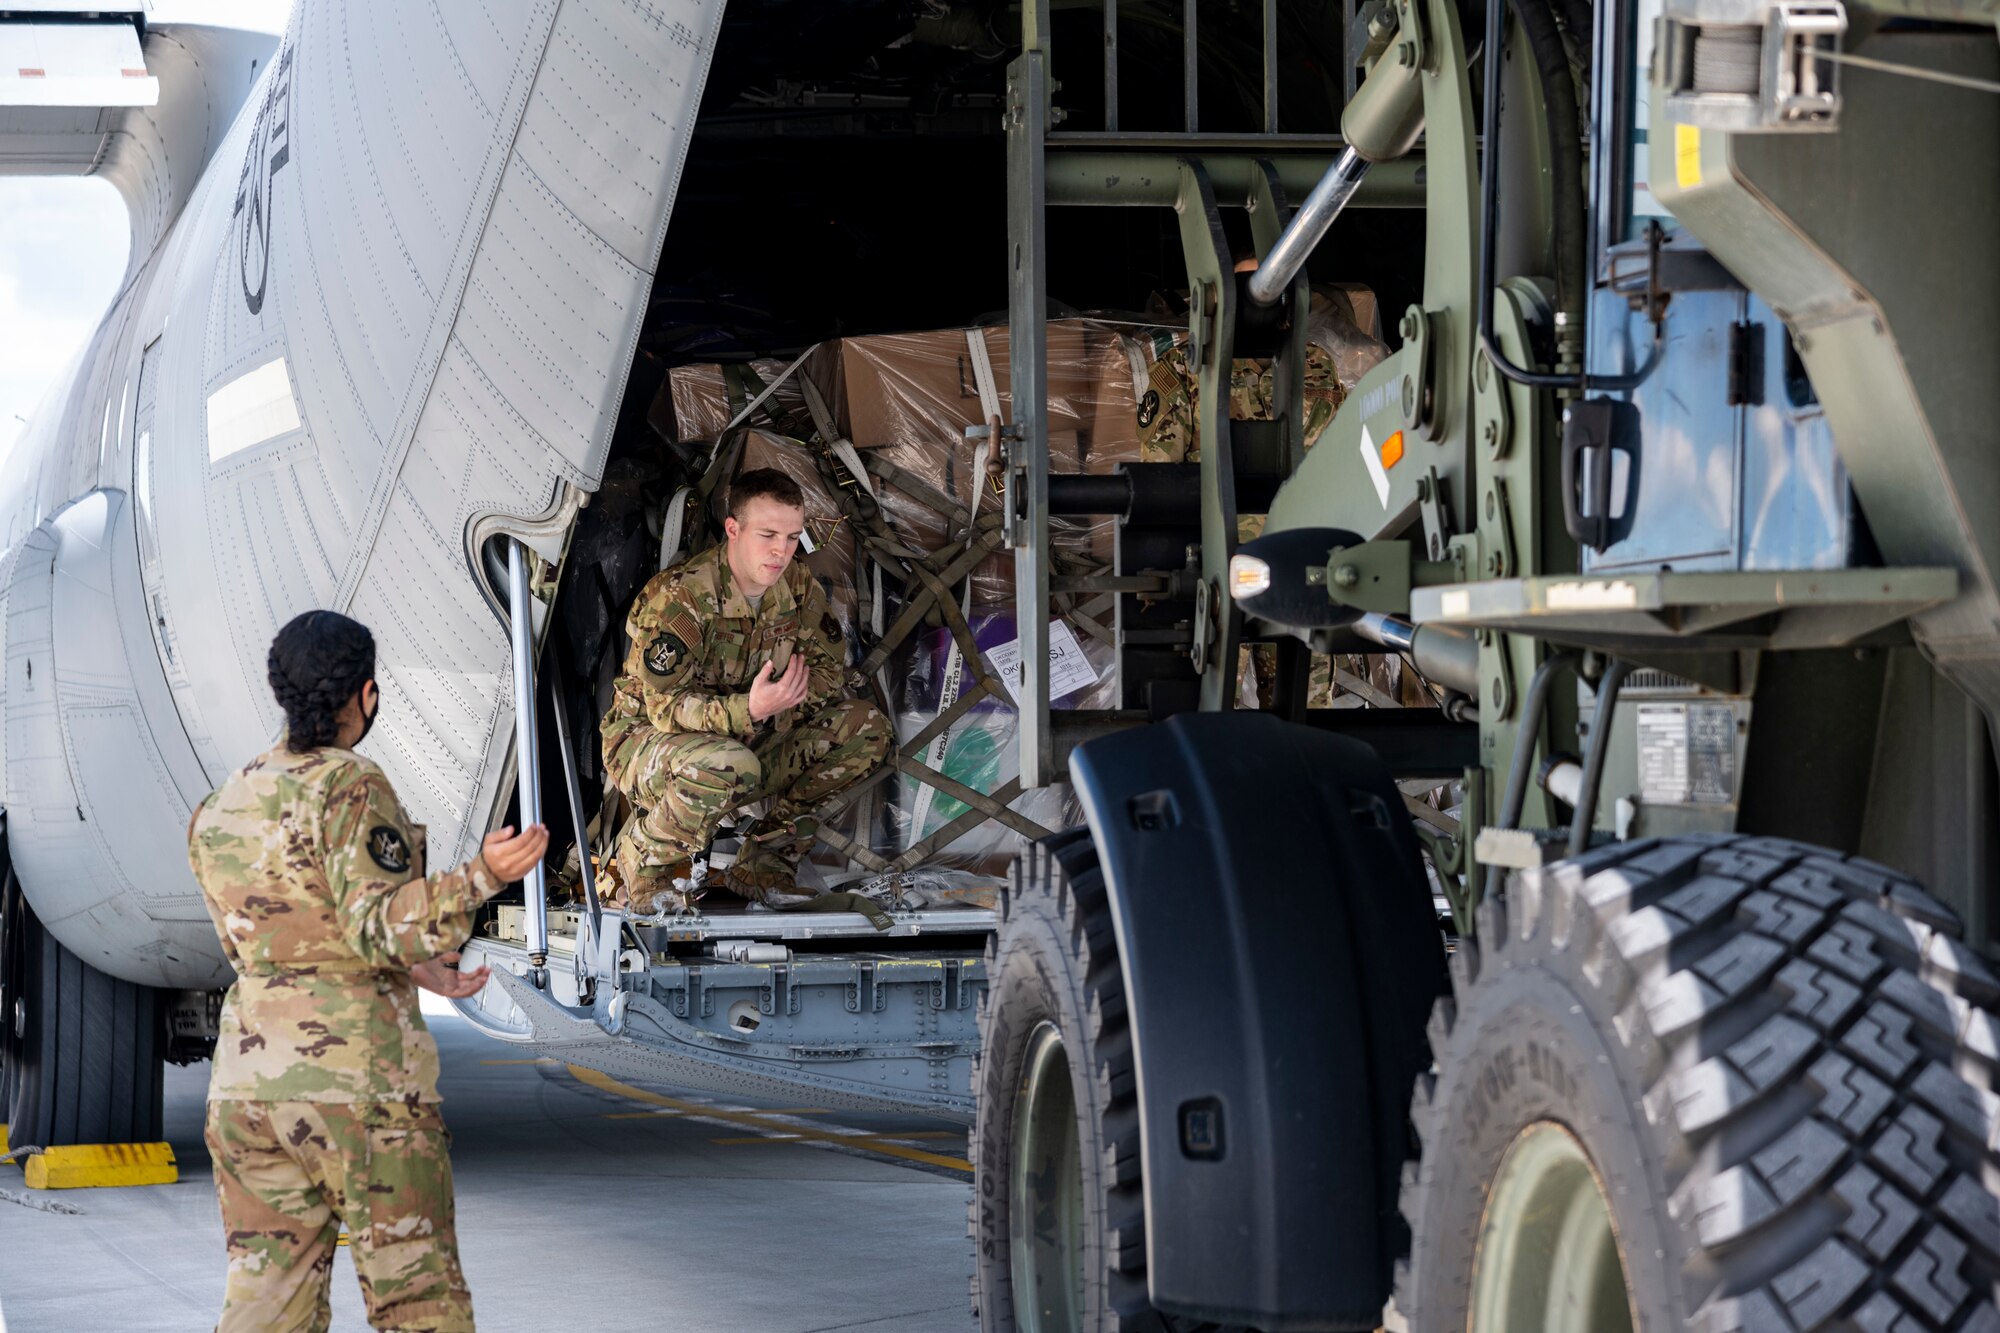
(323, 1105)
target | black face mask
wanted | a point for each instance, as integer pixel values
(368, 720)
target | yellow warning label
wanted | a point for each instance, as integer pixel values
(1687, 156)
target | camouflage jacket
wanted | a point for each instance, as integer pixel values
(696, 645)
(314, 877)
(1168, 427)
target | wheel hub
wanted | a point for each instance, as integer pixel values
(1548, 1258)
(1045, 1191)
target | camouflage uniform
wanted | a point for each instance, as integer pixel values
(679, 741)
(1168, 429)
(322, 1107)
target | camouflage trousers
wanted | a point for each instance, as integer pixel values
(290, 1175)
(685, 782)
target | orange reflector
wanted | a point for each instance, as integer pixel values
(1392, 450)
(1248, 576)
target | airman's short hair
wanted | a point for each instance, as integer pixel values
(767, 482)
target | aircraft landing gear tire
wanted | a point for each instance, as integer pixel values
(1715, 1082)
(83, 1053)
(1058, 1208)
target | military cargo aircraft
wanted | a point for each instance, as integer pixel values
(1667, 435)
(394, 277)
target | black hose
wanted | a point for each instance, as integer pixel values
(1489, 217)
(1532, 706)
(1538, 24)
(1593, 762)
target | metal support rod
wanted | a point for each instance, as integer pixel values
(1191, 64)
(1028, 451)
(1309, 224)
(1111, 66)
(1349, 57)
(1090, 493)
(1211, 339)
(558, 692)
(1270, 66)
(1533, 705)
(1389, 631)
(1090, 173)
(527, 753)
(1593, 762)
(1443, 653)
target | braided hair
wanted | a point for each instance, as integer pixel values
(319, 661)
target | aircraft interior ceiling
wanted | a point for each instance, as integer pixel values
(847, 174)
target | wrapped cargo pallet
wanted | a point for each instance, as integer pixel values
(902, 527)
(902, 510)
(902, 513)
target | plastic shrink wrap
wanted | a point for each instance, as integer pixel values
(904, 402)
(981, 749)
(706, 396)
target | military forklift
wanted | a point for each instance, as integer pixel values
(1679, 488)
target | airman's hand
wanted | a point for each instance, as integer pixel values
(441, 976)
(770, 697)
(510, 855)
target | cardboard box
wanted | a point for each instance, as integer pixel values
(1355, 301)
(700, 393)
(922, 389)
(954, 471)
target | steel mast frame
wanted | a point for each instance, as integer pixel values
(1194, 173)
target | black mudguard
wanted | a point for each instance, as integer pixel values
(1281, 957)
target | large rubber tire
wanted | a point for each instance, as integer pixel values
(10, 971)
(84, 1052)
(1780, 1064)
(1052, 975)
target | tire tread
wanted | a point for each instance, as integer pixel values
(1059, 878)
(1820, 1051)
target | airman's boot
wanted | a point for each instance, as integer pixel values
(767, 868)
(645, 888)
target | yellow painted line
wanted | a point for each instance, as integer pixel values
(869, 1141)
(89, 1165)
(754, 1139)
(750, 1119)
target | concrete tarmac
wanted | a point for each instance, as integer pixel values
(581, 1202)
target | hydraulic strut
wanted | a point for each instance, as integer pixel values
(1380, 124)
(527, 754)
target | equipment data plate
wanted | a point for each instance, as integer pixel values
(1687, 754)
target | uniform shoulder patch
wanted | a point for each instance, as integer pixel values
(388, 848)
(664, 653)
(1149, 407)
(830, 627)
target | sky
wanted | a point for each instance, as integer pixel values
(63, 244)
